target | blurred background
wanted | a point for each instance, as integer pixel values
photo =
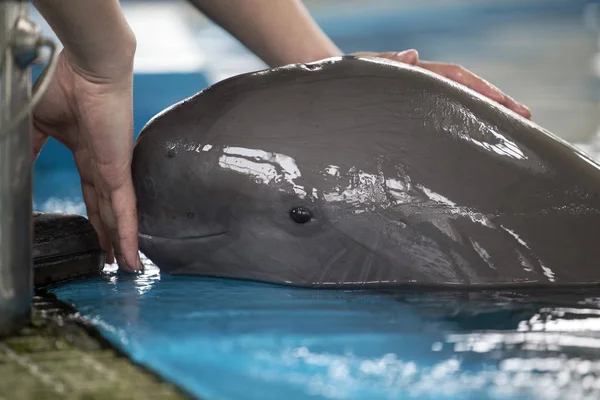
(544, 53)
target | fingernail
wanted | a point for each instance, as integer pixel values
(140, 264)
(521, 110)
(408, 51)
(124, 265)
(409, 54)
(495, 93)
(525, 110)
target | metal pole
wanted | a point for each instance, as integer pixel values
(19, 44)
(16, 270)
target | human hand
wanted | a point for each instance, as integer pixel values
(92, 115)
(457, 74)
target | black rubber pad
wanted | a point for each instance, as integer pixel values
(65, 246)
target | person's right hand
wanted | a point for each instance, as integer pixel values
(457, 74)
(91, 113)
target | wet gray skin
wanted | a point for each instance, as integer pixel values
(356, 172)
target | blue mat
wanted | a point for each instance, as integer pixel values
(227, 339)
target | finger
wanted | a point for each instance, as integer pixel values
(91, 203)
(92, 206)
(480, 85)
(517, 107)
(467, 78)
(410, 56)
(460, 75)
(83, 163)
(124, 204)
(118, 210)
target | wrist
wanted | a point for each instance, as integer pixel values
(279, 32)
(112, 64)
(97, 39)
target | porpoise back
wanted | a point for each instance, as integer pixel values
(360, 172)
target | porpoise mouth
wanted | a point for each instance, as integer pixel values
(197, 238)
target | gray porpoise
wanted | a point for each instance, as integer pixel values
(361, 173)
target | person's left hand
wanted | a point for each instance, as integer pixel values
(91, 114)
(457, 74)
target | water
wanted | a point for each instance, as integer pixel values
(225, 339)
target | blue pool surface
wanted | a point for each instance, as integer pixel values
(227, 339)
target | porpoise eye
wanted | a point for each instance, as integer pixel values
(300, 215)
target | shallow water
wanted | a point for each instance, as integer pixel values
(227, 339)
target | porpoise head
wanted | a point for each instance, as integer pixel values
(341, 173)
(254, 212)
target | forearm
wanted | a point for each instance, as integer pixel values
(278, 31)
(94, 33)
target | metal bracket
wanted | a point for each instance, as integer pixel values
(25, 46)
(25, 42)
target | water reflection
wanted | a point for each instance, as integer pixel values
(205, 334)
